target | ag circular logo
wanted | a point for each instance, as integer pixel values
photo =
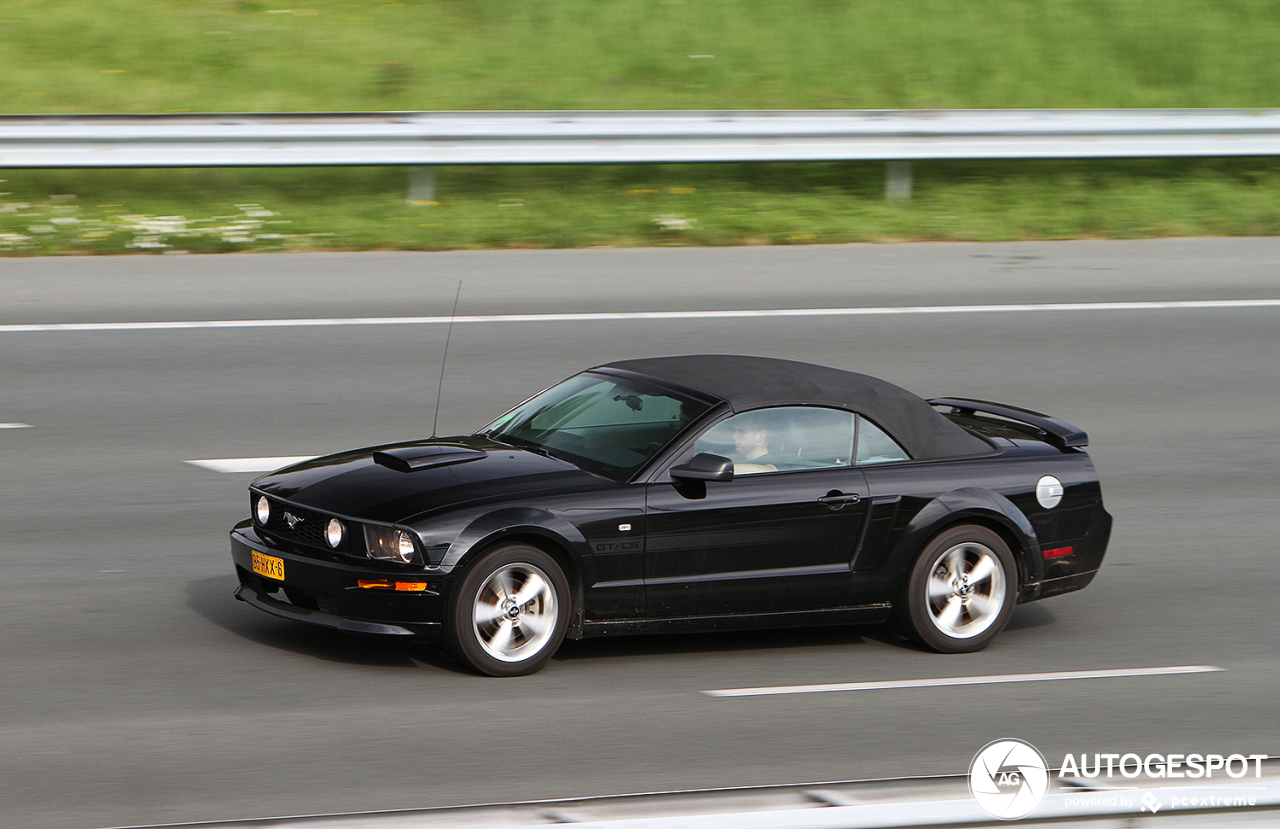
(1008, 779)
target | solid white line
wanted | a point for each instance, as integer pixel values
(959, 680)
(646, 315)
(15, 425)
(249, 464)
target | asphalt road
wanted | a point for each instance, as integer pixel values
(134, 690)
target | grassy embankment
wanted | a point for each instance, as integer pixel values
(65, 56)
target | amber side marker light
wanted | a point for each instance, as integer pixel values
(388, 584)
(1058, 552)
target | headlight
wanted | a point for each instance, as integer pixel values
(333, 533)
(390, 544)
(263, 510)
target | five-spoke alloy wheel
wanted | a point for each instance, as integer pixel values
(510, 612)
(961, 591)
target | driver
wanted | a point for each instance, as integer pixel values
(751, 438)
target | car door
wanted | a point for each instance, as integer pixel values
(781, 536)
(897, 489)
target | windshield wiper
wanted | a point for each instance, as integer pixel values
(523, 443)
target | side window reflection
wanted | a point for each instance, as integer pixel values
(874, 446)
(781, 440)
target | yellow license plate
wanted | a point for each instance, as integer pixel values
(269, 566)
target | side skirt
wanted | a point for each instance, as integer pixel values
(862, 615)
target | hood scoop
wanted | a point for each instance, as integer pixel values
(414, 458)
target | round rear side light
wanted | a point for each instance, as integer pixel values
(263, 510)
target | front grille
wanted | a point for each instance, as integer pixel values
(308, 526)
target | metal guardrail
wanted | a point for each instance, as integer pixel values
(909, 803)
(427, 139)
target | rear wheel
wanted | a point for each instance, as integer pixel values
(961, 590)
(510, 612)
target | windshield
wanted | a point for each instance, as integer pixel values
(606, 425)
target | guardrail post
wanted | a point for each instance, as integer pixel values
(897, 180)
(422, 184)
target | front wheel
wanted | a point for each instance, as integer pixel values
(510, 612)
(961, 591)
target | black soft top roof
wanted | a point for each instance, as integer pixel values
(755, 382)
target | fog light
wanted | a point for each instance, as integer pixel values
(333, 533)
(263, 510)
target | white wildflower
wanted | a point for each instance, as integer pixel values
(8, 241)
(673, 222)
(146, 242)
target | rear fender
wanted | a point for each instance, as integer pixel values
(981, 506)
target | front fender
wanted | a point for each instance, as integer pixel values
(488, 529)
(983, 506)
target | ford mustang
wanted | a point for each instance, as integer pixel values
(696, 493)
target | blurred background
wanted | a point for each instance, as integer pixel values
(165, 56)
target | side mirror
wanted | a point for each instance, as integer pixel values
(704, 467)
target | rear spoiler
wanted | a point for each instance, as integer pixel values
(1058, 432)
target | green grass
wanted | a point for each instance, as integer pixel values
(265, 55)
(228, 210)
(82, 56)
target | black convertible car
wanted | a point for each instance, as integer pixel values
(684, 494)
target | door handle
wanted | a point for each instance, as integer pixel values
(837, 499)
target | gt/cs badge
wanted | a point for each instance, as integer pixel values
(616, 546)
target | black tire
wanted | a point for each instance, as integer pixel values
(961, 591)
(495, 629)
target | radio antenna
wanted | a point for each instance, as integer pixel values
(448, 335)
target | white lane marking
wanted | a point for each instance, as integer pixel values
(15, 425)
(647, 315)
(960, 680)
(249, 464)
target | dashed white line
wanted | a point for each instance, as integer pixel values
(647, 315)
(960, 680)
(15, 425)
(249, 464)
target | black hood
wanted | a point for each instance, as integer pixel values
(372, 484)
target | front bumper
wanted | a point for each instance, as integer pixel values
(326, 594)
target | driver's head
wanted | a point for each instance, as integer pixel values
(750, 437)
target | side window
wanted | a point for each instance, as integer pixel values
(874, 446)
(784, 439)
